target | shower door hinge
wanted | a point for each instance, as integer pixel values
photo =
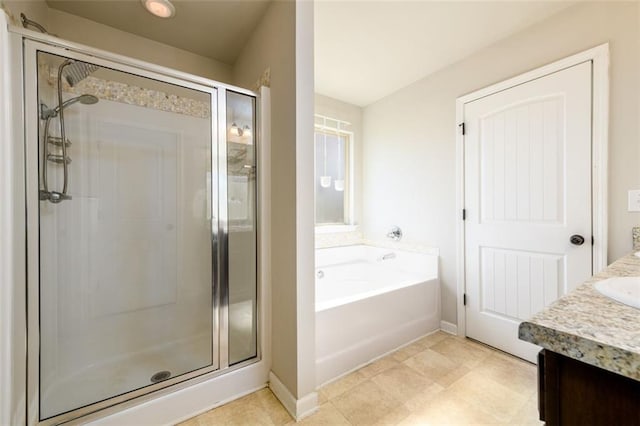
(464, 299)
(464, 214)
(461, 125)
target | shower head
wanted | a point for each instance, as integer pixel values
(83, 99)
(76, 71)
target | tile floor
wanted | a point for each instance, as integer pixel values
(439, 379)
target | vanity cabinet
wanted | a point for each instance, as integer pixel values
(571, 392)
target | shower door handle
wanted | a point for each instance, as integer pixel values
(54, 196)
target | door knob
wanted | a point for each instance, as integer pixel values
(577, 240)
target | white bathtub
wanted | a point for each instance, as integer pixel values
(370, 301)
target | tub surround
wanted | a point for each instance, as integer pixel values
(338, 239)
(588, 326)
(344, 239)
(405, 246)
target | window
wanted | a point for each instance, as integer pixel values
(332, 172)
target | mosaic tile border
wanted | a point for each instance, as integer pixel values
(134, 95)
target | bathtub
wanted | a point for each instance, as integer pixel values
(370, 301)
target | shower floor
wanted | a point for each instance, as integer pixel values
(128, 373)
(122, 375)
(125, 374)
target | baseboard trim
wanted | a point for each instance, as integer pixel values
(448, 327)
(298, 408)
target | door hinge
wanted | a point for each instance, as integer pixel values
(593, 241)
(464, 214)
(462, 129)
(464, 299)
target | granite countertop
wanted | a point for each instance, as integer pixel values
(590, 327)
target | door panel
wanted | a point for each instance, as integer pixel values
(125, 275)
(522, 156)
(507, 277)
(527, 190)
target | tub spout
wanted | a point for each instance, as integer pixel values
(388, 256)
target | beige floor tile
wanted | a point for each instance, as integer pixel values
(528, 414)
(431, 364)
(437, 380)
(519, 376)
(327, 415)
(447, 409)
(258, 408)
(394, 417)
(367, 404)
(424, 398)
(266, 400)
(462, 351)
(344, 384)
(322, 397)
(489, 396)
(408, 351)
(511, 358)
(432, 339)
(235, 413)
(402, 382)
(379, 366)
(191, 422)
(452, 376)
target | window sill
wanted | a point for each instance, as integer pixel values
(335, 229)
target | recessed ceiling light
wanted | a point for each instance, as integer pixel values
(161, 8)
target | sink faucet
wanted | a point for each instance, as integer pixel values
(395, 234)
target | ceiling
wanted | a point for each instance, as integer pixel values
(216, 29)
(366, 50)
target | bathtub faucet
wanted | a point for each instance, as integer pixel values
(388, 256)
(395, 234)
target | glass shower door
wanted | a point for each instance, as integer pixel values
(126, 261)
(241, 190)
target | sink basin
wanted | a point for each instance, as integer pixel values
(622, 289)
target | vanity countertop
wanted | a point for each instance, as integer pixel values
(590, 327)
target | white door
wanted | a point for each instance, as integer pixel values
(527, 163)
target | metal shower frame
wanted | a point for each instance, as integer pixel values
(32, 43)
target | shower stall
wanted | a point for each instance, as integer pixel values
(142, 230)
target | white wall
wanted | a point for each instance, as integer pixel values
(90, 33)
(409, 153)
(283, 42)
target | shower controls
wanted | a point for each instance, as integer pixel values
(54, 140)
(59, 159)
(73, 72)
(395, 234)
